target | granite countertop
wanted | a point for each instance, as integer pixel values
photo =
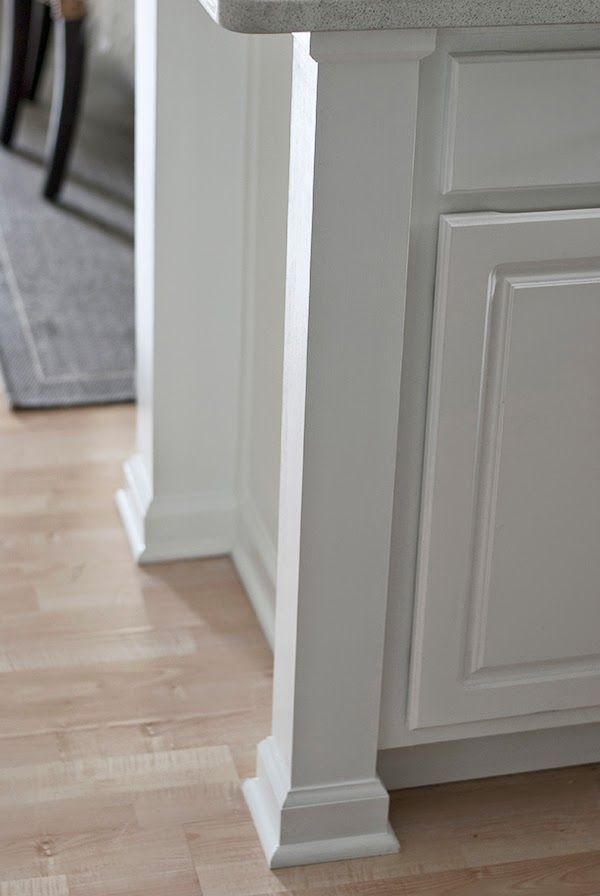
(280, 16)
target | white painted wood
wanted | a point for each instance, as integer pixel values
(522, 120)
(428, 204)
(485, 757)
(161, 528)
(307, 803)
(255, 558)
(179, 498)
(255, 545)
(255, 540)
(507, 613)
(316, 796)
(319, 822)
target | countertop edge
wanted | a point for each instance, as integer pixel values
(288, 16)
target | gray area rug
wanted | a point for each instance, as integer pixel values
(66, 270)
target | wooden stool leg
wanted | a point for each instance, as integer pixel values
(39, 34)
(68, 78)
(15, 26)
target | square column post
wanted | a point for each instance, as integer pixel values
(179, 498)
(317, 796)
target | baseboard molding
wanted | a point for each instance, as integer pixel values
(255, 558)
(486, 757)
(172, 527)
(345, 821)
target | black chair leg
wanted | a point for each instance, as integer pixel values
(68, 82)
(39, 34)
(15, 27)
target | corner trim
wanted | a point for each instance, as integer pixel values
(255, 558)
(351, 816)
(174, 527)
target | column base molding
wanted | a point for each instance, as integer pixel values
(344, 821)
(172, 528)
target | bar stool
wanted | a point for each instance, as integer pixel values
(26, 30)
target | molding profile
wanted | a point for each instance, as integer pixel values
(489, 256)
(174, 527)
(255, 558)
(403, 45)
(489, 756)
(132, 503)
(179, 497)
(486, 149)
(494, 374)
(316, 796)
(345, 821)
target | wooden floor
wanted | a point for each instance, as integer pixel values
(131, 701)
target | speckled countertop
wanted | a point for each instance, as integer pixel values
(277, 16)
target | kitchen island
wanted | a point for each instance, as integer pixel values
(439, 504)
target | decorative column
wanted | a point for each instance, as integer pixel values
(179, 498)
(317, 796)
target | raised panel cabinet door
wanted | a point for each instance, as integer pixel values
(507, 610)
(522, 120)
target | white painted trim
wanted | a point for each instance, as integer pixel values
(370, 46)
(429, 205)
(173, 528)
(485, 757)
(248, 311)
(179, 495)
(316, 796)
(468, 161)
(358, 808)
(499, 242)
(268, 85)
(255, 558)
(132, 503)
(254, 553)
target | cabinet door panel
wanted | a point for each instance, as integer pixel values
(512, 121)
(507, 618)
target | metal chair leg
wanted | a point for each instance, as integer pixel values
(39, 34)
(68, 82)
(16, 23)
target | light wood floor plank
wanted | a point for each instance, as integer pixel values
(131, 701)
(36, 886)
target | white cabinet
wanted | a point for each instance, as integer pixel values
(493, 626)
(507, 604)
(438, 562)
